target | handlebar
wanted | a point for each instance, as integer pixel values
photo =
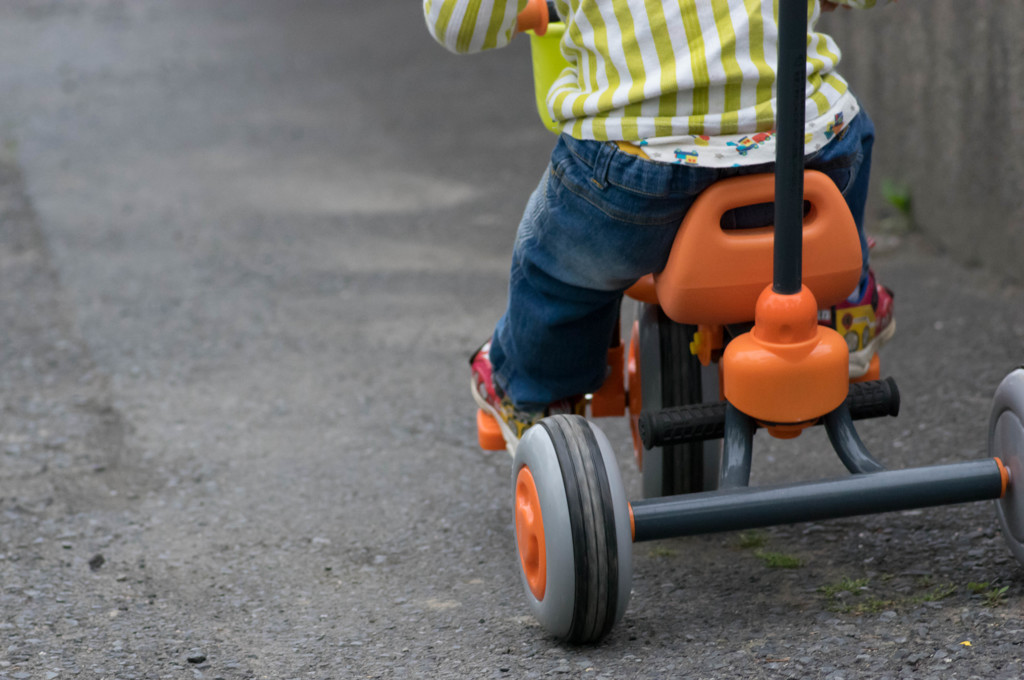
(535, 16)
(701, 422)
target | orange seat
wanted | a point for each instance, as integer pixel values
(714, 276)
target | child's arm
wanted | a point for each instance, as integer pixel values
(466, 26)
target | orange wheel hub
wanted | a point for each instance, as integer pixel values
(530, 534)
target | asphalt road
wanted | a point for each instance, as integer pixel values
(245, 250)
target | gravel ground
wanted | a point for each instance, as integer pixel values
(207, 470)
(87, 593)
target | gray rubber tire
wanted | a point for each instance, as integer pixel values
(587, 536)
(671, 376)
(1006, 442)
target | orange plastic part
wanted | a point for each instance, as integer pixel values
(534, 17)
(1005, 474)
(530, 534)
(788, 369)
(488, 433)
(610, 399)
(633, 370)
(635, 396)
(714, 276)
(643, 290)
(787, 430)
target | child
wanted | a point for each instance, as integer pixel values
(650, 85)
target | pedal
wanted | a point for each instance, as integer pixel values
(488, 433)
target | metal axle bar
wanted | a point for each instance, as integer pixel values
(749, 508)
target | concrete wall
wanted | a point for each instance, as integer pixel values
(944, 82)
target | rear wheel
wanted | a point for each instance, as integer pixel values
(1006, 442)
(667, 374)
(573, 530)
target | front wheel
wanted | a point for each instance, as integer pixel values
(573, 530)
(663, 373)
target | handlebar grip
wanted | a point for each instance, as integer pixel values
(700, 422)
(874, 399)
(682, 424)
(696, 422)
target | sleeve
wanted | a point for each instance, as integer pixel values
(468, 26)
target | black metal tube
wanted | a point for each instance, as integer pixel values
(847, 443)
(737, 449)
(733, 509)
(791, 81)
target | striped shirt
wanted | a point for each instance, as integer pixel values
(655, 69)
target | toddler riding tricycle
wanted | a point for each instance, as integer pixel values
(727, 341)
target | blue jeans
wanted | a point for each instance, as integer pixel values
(599, 220)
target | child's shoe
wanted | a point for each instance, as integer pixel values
(512, 421)
(866, 325)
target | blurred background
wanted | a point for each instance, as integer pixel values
(944, 82)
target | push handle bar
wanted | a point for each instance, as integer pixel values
(700, 422)
(789, 149)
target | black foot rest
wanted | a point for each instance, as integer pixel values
(700, 422)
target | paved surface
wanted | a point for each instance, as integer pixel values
(245, 249)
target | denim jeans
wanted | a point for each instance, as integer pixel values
(599, 220)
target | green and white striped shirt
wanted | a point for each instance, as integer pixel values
(656, 69)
